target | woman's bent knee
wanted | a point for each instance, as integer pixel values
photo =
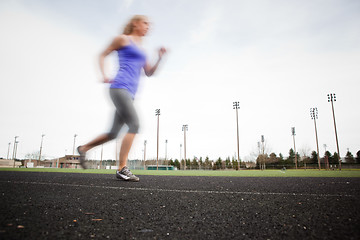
(134, 128)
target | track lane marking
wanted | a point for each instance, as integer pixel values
(180, 190)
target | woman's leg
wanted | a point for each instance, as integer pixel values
(117, 124)
(96, 142)
(124, 103)
(125, 149)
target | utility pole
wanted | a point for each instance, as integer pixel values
(157, 113)
(13, 156)
(16, 146)
(263, 152)
(101, 158)
(74, 145)
(42, 137)
(332, 99)
(236, 106)
(293, 134)
(166, 142)
(314, 116)
(180, 154)
(8, 151)
(185, 128)
(145, 153)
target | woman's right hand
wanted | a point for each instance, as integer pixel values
(106, 80)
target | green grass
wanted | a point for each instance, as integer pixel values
(227, 173)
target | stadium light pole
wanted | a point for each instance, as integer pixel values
(74, 144)
(314, 116)
(101, 158)
(13, 156)
(263, 151)
(236, 106)
(293, 134)
(332, 99)
(185, 128)
(42, 138)
(157, 113)
(8, 151)
(16, 147)
(180, 154)
(145, 153)
(166, 142)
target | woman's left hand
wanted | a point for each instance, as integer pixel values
(162, 51)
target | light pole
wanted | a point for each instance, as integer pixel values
(263, 152)
(166, 142)
(8, 151)
(180, 154)
(157, 113)
(293, 134)
(101, 158)
(314, 116)
(13, 156)
(16, 146)
(237, 106)
(42, 137)
(74, 145)
(332, 99)
(145, 153)
(185, 128)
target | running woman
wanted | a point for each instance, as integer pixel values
(123, 89)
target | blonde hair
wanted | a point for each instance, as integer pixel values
(129, 27)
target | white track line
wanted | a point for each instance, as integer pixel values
(179, 190)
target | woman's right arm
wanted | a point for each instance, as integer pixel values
(118, 42)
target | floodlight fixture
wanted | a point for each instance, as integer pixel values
(236, 105)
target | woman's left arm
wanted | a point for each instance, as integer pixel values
(150, 70)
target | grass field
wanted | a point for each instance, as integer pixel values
(224, 173)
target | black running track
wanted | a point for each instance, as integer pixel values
(95, 206)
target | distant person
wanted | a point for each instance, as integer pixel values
(123, 89)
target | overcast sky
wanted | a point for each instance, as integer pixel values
(277, 58)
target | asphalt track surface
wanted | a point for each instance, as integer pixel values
(96, 206)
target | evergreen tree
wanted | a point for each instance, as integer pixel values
(281, 158)
(228, 163)
(336, 158)
(183, 163)
(207, 163)
(291, 159)
(358, 157)
(313, 158)
(188, 163)
(201, 163)
(194, 164)
(330, 157)
(235, 164)
(177, 164)
(349, 158)
(218, 163)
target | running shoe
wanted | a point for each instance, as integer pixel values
(82, 157)
(127, 175)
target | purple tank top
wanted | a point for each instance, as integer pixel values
(131, 59)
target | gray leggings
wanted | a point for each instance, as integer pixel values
(125, 112)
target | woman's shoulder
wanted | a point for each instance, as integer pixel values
(122, 40)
